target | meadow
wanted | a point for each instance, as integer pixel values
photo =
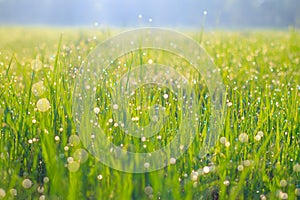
(256, 155)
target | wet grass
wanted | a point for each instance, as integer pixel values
(256, 156)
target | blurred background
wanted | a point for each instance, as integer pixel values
(170, 13)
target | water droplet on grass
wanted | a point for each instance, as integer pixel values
(206, 169)
(247, 163)
(100, 177)
(42, 197)
(74, 140)
(115, 106)
(13, 192)
(2, 193)
(70, 159)
(260, 133)
(45, 179)
(36, 64)
(148, 190)
(81, 155)
(56, 138)
(150, 61)
(27, 183)
(223, 140)
(226, 182)
(43, 105)
(243, 137)
(96, 110)
(283, 195)
(38, 88)
(283, 183)
(262, 197)
(227, 144)
(240, 168)
(73, 166)
(296, 168)
(257, 137)
(172, 161)
(40, 189)
(146, 165)
(297, 192)
(229, 104)
(194, 176)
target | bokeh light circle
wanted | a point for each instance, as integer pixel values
(94, 70)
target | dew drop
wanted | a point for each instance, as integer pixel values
(13, 192)
(297, 192)
(40, 189)
(257, 137)
(27, 183)
(148, 190)
(296, 168)
(229, 104)
(43, 105)
(283, 183)
(206, 169)
(226, 182)
(81, 155)
(172, 161)
(223, 140)
(194, 176)
(45, 179)
(73, 166)
(96, 110)
(42, 197)
(260, 133)
(38, 88)
(115, 106)
(240, 168)
(2, 193)
(243, 137)
(227, 144)
(262, 197)
(74, 140)
(36, 64)
(56, 138)
(100, 177)
(283, 195)
(146, 165)
(70, 159)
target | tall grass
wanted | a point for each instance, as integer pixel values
(261, 71)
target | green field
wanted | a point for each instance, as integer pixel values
(257, 154)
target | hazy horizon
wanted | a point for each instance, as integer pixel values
(132, 13)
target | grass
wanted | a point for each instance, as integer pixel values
(261, 72)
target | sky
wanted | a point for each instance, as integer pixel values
(188, 13)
